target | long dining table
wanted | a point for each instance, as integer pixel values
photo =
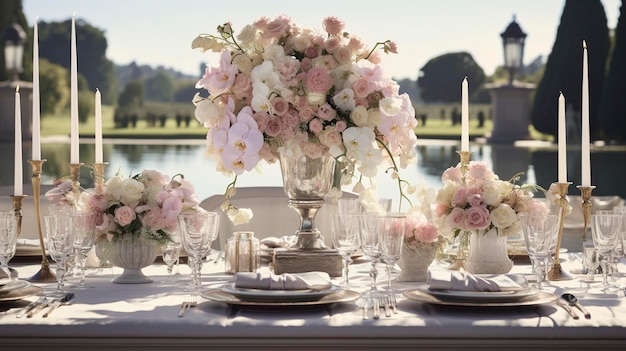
(105, 315)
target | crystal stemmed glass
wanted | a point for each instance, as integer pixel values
(590, 264)
(84, 225)
(345, 229)
(170, 253)
(540, 232)
(59, 244)
(8, 239)
(198, 230)
(370, 225)
(604, 229)
(620, 250)
(392, 239)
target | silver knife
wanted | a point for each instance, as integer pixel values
(30, 306)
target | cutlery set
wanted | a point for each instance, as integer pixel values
(567, 301)
(43, 302)
(388, 303)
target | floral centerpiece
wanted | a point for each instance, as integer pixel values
(476, 203)
(278, 85)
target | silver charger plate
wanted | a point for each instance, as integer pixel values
(8, 284)
(262, 295)
(17, 294)
(341, 295)
(536, 299)
(479, 296)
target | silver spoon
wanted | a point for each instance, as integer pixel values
(573, 301)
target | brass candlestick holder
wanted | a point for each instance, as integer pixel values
(74, 175)
(556, 272)
(45, 274)
(464, 157)
(585, 194)
(17, 210)
(98, 170)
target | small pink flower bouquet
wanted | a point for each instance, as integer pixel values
(479, 200)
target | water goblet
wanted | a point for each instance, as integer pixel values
(540, 232)
(370, 228)
(59, 244)
(392, 240)
(345, 229)
(170, 253)
(84, 225)
(198, 230)
(590, 264)
(348, 206)
(8, 239)
(604, 229)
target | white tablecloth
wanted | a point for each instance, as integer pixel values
(108, 315)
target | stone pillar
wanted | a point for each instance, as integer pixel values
(7, 110)
(511, 111)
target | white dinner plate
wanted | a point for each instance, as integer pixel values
(537, 299)
(478, 296)
(340, 295)
(262, 295)
(12, 285)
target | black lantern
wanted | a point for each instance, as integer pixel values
(14, 39)
(513, 44)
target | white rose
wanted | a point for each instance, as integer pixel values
(114, 188)
(503, 216)
(491, 195)
(132, 192)
(239, 215)
(444, 195)
(360, 116)
(514, 228)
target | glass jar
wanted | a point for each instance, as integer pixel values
(242, 253)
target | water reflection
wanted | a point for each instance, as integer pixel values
(188, 157)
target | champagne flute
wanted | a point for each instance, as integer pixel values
(590, 264)
(170, 253)
(370, 228)
(8, 239)
(540, 232)
(392, 240)
(198, 230)
(84, 235)
(59, 244)
(345, 229)
(604, 229)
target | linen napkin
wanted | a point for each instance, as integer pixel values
(269, 281)
(273, 242)
(440, 279)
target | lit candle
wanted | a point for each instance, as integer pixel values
(73, 99)
(586, 159)
(18, 145)
(464, 117)
(36, 152)
(562, 141)
(98, 127)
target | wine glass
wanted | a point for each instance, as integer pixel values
(170, 253)
(540, 233)
(619, 250)
(392, 240)
(370, 228)
(8, 239)
(348, 206)
(198, 230)
(84, 234)
(590, 264)
(604, 229)
(345, 229)
(59, 244)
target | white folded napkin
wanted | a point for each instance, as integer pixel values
(442, 279)
(269, 281)
(283, 242)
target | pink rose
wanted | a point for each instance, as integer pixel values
(273, 127)
(332, 25)
(452, 174)
(261, 119)
(311, 51)
(459, 197)
(340, 126)
(280, 105)
(426, 232)
(343, 55)
(276, 28)
(456, 218)
(326, 112)
(316, 126)
(362, 87)
(318, 80)
(332, 44)
(475, 200)
(476, 218)
(124, 215)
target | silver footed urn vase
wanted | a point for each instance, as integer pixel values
(306, 181)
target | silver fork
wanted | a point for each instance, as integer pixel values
(190, 301)
(384, 301)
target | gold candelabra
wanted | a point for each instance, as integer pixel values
(98, 170)
(17, 210)
(585, 194)
(464, 157)
(44, 274)
(556, 272)
(74, 175)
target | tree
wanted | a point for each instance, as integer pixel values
(54, 87)
(159, 87)
(86, 105)
(10, 9)
(132, 96)
(563, 73)
(442, 76)
(612, 118)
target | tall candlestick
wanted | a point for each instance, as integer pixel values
(586, 159)
(73, 99)
(36, 138)
(98, 127)
(464, 117)
(562, 141)
(18, 146)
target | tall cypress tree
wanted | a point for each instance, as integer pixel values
(580, 20)
(612, 116)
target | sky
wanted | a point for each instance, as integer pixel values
(160, 32)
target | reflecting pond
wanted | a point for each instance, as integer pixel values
(537, 160)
